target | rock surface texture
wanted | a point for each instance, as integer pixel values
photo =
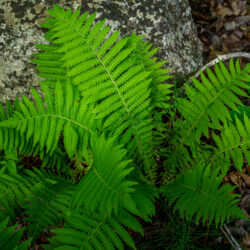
(166, 23)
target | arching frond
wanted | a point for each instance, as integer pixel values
(108, 77)
(84, 230)
(198, 194)
(106, 186)
(10, 237)
(233, 143)
(207, 106)
(62, 113)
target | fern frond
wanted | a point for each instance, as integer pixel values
(142, 55)
(208, 106)
(105, 73)
(45, 123)
(10, 236)
(105, 186)
(46, 205)
(84, 230)
(234, 142)
(198, 194)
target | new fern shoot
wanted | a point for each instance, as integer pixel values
(98, 131)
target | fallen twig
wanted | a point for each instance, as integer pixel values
(216, 60)
(235, 245)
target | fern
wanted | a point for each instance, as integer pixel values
(96, 131)
(108, 75)
(84, 230)
(44, 125)
(198, 194)
(9, 237)
(207, 107)
(105, 186)
(234, 143)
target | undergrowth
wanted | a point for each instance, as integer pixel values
(109, 135)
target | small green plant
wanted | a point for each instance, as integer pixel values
(99, 133)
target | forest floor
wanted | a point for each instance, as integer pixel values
(222, 26)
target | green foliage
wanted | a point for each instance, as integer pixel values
(98, 129)
(109, 76)
(234, 143)
(84, 230)
(198, 192)
(206, 107)
(106, 180)
(10, 236)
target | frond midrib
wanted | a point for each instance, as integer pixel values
(196, 190)
(105, 184)
(57, 116)
(93, 232)
(139, 143)
(228, 149)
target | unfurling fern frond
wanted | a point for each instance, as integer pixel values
(63, 113)
(198, 194)
(84, 230)
(207, 107)
(234, 142)
(106, 186)
(10, 236)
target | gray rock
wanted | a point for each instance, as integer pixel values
(166, 23)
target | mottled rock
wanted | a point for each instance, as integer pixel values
(166, 23)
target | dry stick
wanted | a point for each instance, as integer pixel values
(235, 245)
(216, 60)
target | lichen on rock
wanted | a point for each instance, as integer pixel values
(165, 23)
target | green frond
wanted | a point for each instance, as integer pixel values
(233, 143)
(84, 230)
(14, 190)
(107, 75)
(46, 205)
(105, 186)
(42, 124)
(10, 236)
(198, 194)
(208, 106)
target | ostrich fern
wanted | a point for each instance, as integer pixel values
(99, 121)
